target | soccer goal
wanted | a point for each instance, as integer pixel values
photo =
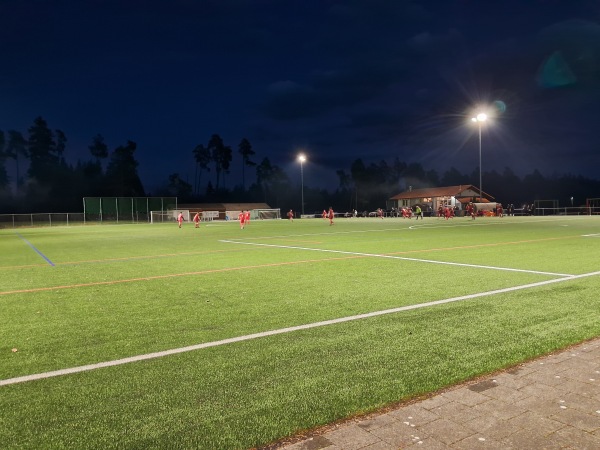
(593, 205)
(265, 214)
(169, 215)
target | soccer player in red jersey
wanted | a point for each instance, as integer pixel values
(197, 220)
(242, 219)
(180, 219)
(331, 215)
(471, 210)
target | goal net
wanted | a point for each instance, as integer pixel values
(169, 215)
(265, 214)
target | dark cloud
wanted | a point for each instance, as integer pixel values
(327, 90)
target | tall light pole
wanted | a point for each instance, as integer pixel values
(479, 119)
(302, 158)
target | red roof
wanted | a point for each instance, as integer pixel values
(448, 191)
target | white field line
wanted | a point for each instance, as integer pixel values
(248, 337)
(421, 225)
(331, 233)
(427, 224)
(403, 258)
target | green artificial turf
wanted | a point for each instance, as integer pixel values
(78, 295)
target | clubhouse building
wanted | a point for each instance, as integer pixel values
(430, 199)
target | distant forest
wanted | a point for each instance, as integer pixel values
(44, 182)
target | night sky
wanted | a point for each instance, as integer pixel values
(338, 80)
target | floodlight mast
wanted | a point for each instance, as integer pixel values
(479, 119)
(302, 159)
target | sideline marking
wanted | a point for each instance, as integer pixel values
(36, 250)
(248, 337)
(404, 258)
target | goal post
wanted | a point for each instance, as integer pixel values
(262, 214)
(169, 215)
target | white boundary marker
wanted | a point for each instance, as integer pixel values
(248, 337)
(404, 258)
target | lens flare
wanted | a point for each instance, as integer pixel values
(500, 106)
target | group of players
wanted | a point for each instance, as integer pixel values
(447, 211)
(470, 211)
(407, 213)
(328, 215)
(244, 219)
(196, 220)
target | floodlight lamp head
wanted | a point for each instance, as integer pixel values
(301, 157)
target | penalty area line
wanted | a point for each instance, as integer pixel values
(403, 258)
(249, 337)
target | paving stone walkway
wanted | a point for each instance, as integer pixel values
(549, 403)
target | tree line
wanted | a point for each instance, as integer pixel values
(45, 182)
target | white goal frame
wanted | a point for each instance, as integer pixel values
(265, 214)
(169, 215)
